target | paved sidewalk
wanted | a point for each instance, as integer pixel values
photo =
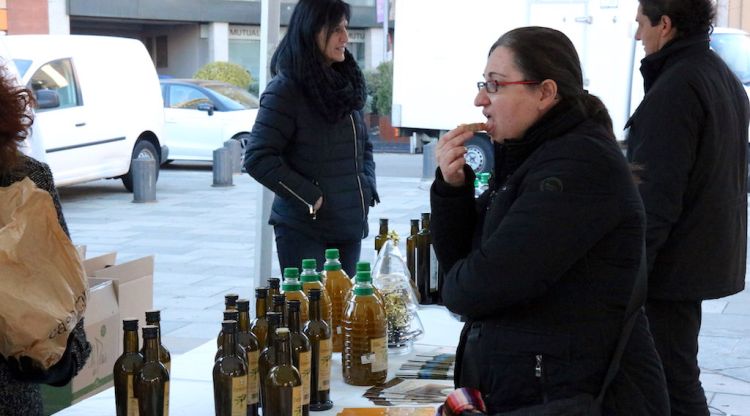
(203, 240)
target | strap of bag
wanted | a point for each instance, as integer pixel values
(637, 299)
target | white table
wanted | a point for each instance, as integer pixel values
(191, 387)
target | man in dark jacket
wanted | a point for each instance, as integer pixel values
(688, 140)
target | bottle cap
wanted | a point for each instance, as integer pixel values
(384, 221)
(153, 315)
(363, 276)
(243, 305)
(309, 264)
(274, 318)
(363, 266)
(291, 273)
(313, 294)
(261, 292)
(332, 253)
(130, 324)
(229, 326)
(291, 285)
(231, 315)
(293, 305)
(414, 222)
(230, 299)
(274, 282)
(150, 331)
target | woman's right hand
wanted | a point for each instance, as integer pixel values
(450, 153)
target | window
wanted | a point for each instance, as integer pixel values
(58, 76)
(184, 97)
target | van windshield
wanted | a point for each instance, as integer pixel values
(22, 65)
(734, 49)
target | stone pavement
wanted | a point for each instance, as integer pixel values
(203, 237)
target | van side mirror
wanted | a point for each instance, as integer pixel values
(47, 99)
(207, 107)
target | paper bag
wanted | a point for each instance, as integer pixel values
(43, 287)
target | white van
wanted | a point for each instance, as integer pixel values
(99, 104)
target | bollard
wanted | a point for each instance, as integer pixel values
(235, 154)
(222, 167)
(429, 163)
(144, 180)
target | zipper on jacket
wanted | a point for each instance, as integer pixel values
(540, 376)
(356, 168)
(311, 207)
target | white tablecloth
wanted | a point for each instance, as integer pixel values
(191, 388)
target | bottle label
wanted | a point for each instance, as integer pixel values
(239, 396)
(304, 370)
(166, 397)
(132, 400)
(433, 270)
(297, 401)
(379, 354)
(339, 329)
(252, 377)
(324, 364)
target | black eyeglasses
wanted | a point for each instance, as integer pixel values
(492, 85)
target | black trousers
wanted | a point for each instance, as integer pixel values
(675, 326)
(293, 246)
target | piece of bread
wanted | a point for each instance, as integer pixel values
(476, 127)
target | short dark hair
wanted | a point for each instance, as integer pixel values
(299, 48)
(542, 53)
(688, 17)
(15, 119)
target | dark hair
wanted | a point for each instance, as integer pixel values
(542, 53)
(689, 17)
(299, 48)
(15, 119)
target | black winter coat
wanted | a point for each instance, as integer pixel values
(300, 156)
(543, 266)
(689, 136)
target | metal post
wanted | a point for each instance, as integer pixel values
(222, 167)
(235, 154)
(144, 180)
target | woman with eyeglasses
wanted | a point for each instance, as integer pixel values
(309, 144)
(542, 265)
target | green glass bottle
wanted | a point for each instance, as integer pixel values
(230, 315)
(279, 306)
(247, 340)
(284, 384)
(382, 236)
(153, 317)
(411, 249)
(126, 369)
(152, 381)
(230, 376)
(230, 301)
(319, 334)
(267, 358)
(426, 265)
(259, 326)
(274, 288)
(301, 352)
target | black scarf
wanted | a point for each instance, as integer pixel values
(336, 90)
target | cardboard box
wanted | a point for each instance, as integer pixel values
(102, 326)
(90, 266)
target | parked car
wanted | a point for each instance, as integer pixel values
(200, 115)
(98, 104)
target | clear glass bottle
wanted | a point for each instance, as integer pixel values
(230, 375)
(319, 334)
(153, 317)
(267, 358)
(365, 356)
(338, 285)
(283, 382)
(310, 279)
(126, 369)
(249, 342)
(152, 381)
(259, 326)
(301, 353)
(292, 288)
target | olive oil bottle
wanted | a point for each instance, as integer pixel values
(319, 334)
(365, 356)
(153, 317)
(247, 340)
(279, 306)
(274, 288)
(338, 285)
(267, 358)
(426, 265)
(152, 381)
(411, 249)
(230, 315)
(283, 382)
(230, 376)
(311, 280)
(126, 369)
(292, 288)
(301, 353)
(230, 301)
(364, 266)
(382, 236)
(259, 326)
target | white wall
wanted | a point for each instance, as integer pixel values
(218, 41)
(59, 21)
(373, 47)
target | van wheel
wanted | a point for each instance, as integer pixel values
(480, 153)
(143, 149)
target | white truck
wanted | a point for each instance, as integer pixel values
(99, 104)
(441, 47)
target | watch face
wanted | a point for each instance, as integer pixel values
(474, 157)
